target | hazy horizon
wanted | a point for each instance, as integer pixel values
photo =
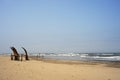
(60, 25)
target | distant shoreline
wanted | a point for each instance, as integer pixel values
(115, 64)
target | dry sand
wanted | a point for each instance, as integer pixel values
(51, 70)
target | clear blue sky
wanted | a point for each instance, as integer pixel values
(60, 25)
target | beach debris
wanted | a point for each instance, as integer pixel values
(26, 55)
(15, 55)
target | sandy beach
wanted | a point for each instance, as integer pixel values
(57, 70)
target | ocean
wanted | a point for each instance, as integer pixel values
(82, 56)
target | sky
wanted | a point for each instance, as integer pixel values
(60, 26)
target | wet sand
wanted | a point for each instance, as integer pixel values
(57, 70)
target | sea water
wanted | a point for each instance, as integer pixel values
(83, 56)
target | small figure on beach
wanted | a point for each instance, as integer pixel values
(11, 57)
(22, 57)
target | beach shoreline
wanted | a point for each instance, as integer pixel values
(115, 64)
(47, 69)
